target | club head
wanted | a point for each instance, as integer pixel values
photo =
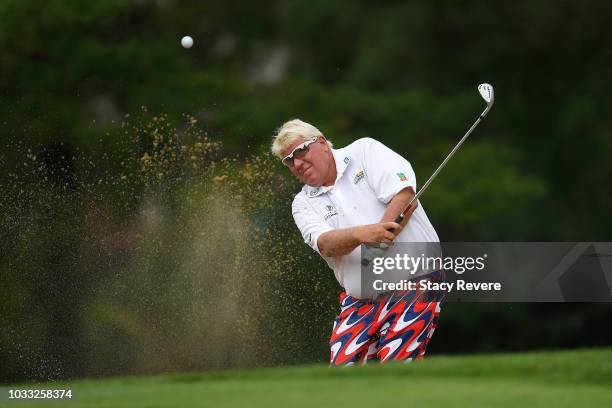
(486, 91)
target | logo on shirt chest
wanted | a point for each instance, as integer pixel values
(330, 211)
(359, 176)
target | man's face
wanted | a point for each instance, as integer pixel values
(313, 167)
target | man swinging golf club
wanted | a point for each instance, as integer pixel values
(351, 196)
(364, 193)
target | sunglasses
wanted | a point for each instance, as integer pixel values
(298, 153)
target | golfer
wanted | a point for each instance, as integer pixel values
(350, 197)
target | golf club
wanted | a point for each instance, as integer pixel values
(487, 93)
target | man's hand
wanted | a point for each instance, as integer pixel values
(375, 233)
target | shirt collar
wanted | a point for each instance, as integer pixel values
(342, 161)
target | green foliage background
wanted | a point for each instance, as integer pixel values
(84, 88)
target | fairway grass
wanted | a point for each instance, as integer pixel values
(541, 379)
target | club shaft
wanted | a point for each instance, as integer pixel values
(441, 166)
(400, 217)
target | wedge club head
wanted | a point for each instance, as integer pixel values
(488, 94)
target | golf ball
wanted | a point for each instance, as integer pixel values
(187, 41)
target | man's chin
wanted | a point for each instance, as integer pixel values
(312, 183)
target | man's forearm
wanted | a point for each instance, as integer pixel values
(397, 205)
(338, 242)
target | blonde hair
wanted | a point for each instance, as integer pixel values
(291, 131)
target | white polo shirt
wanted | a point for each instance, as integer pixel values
(369, 175)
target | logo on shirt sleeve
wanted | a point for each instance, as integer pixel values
(402, 177)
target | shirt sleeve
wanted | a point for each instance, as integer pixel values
(310, 224)
(387, 172)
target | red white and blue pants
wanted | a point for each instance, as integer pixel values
(395, 327)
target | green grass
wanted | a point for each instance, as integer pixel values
(544, 379)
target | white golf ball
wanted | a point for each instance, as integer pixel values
(187, 41)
